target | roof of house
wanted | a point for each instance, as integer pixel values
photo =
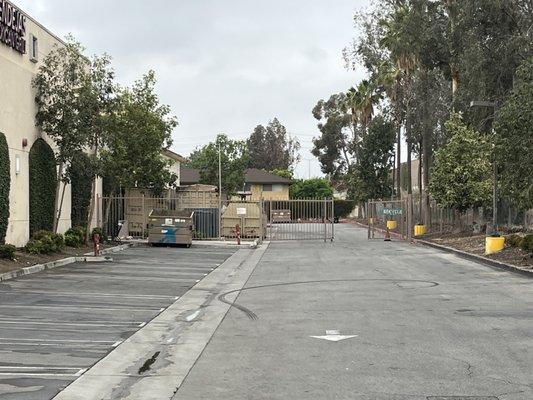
(189, 176)
(254, 175)
(174, 156)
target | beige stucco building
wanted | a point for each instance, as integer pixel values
(24, 43)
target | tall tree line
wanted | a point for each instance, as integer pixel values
(426, 61)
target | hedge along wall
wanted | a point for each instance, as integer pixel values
(5, 183)
(42, 186)
(81, 181)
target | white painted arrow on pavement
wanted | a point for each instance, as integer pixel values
(334, 336)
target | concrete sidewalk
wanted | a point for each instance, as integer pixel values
(418, 323)
(151, 364)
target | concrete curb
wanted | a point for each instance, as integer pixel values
(480, 259)
(463, 254)
(60, 263)
(173, 340)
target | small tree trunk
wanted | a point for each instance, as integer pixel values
(57, 207)
(92, 205)
(399, 159)
(59, 211)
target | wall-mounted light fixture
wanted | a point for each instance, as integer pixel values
(17, 164)
(24, 143)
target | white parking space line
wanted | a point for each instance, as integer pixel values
(75, 294)
(58, 340)
(76, 308)
(193, 316)
(61, 323)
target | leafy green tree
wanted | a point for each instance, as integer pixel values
(316, 188)
(284, 173)
(5, 183)
(370, 178)
(461, 176)
(271, 147)
(514, 140)
(138, 129)
(61, 85)
(235, 160)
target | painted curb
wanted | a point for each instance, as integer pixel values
(480, 259)
(59, 263)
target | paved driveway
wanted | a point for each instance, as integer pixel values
(56, 324)
(424, 324)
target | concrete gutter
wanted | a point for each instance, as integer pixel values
(153, 363)
(60, 263)
(480, 259)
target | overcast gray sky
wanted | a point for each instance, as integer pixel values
(222, 65)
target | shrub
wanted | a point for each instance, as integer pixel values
(44, 242)
(75, 237)
(5, 182)
(81, 183)
(99, 231)
(42, 186)
(7, 251)
(343, 208)
(527, 243)
(72, 240)
(514, 240)
(34, 247)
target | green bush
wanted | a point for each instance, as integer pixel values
(514, 240)
(35, 247)
(44, 242)
(527, 243)
(42, 186)
(343, 208)
(99, 231)
(72, 240)
(75, 237)
(7, 251)
(5, 182)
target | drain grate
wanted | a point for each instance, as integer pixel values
(462, 398)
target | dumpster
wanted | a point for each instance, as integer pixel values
(170, 227)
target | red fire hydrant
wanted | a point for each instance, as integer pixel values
(96, 244)
(238, 234)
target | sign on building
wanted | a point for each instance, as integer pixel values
(12, 27)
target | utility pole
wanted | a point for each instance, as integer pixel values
(494, 106)
(219, 190)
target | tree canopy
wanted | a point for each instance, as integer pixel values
(316, 188)
(270, 147)
(234, 158)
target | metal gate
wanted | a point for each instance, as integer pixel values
(391, 218)
(300, 219)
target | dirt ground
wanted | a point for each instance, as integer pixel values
(476, 244)
(23, 259)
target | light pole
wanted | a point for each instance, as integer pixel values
(493, 105)
(219, 190)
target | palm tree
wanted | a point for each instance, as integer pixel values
(404, 53)
(390, 79)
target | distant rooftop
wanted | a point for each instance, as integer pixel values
(254, 175)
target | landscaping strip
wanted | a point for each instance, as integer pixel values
(463, 254)
(60, 263)
(474, 257)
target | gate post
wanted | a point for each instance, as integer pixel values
(409, 217)
(325, 220)
(332, 219)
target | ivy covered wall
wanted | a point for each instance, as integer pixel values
(81, 180)
(5, 183)
(42, 186)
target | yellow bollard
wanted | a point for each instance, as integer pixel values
(494, 244)
(420, 230)
(391, 225)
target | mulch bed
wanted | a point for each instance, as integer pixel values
(23, 259)
(475, 244)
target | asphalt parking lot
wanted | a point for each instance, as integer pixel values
(56, 324)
